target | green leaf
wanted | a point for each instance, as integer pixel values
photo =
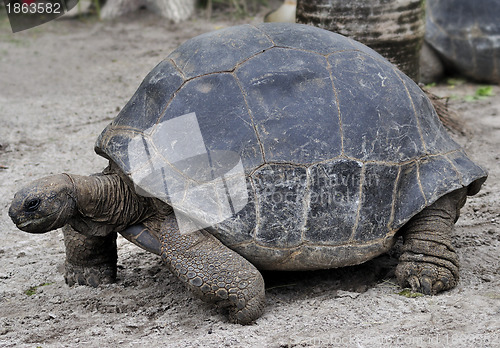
(410, 294)
(31, 291)
(481, 93)
(484, 91)
(452, 82)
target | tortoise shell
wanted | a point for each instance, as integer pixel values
(319, 147)
(466, 35)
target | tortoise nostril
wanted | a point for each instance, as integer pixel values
(32, 205)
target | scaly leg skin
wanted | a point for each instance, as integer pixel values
(214, 272)
(89, 260)
(429, 263)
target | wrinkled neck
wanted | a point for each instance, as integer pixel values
(107, 201)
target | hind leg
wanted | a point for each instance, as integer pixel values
(429, 263)
(89, 260)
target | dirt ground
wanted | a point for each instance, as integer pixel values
(61, 83)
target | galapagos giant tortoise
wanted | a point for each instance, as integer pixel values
(274, 147)
(466, 36)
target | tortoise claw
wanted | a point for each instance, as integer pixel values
(414, 283)
(426, 286)
(438, 286)
(426, 278)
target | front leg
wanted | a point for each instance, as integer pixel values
(429, 263)
(90, 260)
(213, 272)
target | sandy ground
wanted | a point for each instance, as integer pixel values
(61, 83)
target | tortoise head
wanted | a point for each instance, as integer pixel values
(44, 205)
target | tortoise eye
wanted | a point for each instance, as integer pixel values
(32, 205)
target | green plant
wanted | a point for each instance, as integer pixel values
(482, 92)
(409, 294)
(452, 82)
(32, 290)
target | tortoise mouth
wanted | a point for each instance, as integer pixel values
(38, 225)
